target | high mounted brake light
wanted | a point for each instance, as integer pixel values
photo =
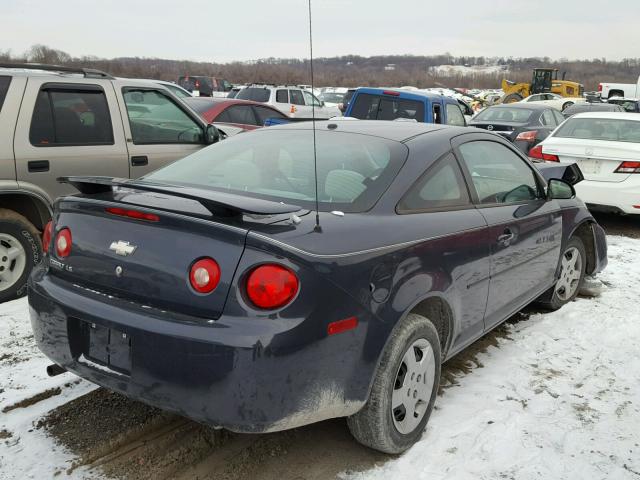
(536, 152)
(628, 167)
(391, 92)
(135, 214)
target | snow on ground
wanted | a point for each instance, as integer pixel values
(559, 399)
(28, 452)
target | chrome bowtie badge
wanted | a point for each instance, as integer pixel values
(123, 248)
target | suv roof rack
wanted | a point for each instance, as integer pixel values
(87, 72)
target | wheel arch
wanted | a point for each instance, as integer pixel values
(584, 231)
(33, 207)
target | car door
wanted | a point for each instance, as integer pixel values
(525, 229)
(440, 199)
(67, 127)
(298, 106)
(159, 128)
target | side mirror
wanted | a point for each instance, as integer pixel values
(558, 189)
(211, 134)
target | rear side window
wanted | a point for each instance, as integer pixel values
(4, 88)
(263, 113)
(296, 97)
(255, 94)
(282, 96)
(442, 186)
(455, 116)
(548, 119)
(155, 119)
(376, 107)
(71, 117)
(242, 114)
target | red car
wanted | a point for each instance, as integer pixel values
(242, 114)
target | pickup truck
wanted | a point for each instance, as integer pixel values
(391, 104)
(63, 121)
(625, 90)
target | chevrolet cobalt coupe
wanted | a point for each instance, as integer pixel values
(248, 287)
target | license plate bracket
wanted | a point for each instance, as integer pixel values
(108, 347)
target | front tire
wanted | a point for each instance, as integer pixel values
(404, 389)
(573, 264)
(20, 251)
(512, 98)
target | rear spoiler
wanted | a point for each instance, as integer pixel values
(215, 202)
(569, 172)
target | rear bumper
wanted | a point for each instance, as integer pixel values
(623, 197)
(243, 374)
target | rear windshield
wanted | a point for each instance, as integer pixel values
(600, 129)
(4, 88)
(573, 109)
(200, 105)
(353, 170)
(255, 94)
(195, 83)
(628, 105)
(504, 114)
(378, 107)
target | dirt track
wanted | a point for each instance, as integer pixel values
(128, 440)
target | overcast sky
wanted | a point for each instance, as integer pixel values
(225, 30)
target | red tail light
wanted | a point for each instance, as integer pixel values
(63, 243)
(527, 136)
(150, 217)
(46, 236)
(599, 87)
(204, 275)
(628, 167)
(271, 286)
(536, 152)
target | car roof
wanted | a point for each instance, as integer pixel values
(389, 129)
(410, 94)
(611, 115)
(217, 101)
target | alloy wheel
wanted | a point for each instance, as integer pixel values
(570, 273)
(13, 260)
(413, 386)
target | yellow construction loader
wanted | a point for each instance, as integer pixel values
(545, 80)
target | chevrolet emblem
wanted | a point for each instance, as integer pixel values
(122, 248)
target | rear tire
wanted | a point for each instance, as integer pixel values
(512, 98)
(566, 105)
(572, 272)
(20, 251)
(404, 389)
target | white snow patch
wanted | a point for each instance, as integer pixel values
(559, 399)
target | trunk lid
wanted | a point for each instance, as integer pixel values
(597, 159)
(154, 257)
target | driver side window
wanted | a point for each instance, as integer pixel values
(154, 118)
(498, 174)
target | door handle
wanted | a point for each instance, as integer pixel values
(35, 166)
(139, 161)
(506, 237)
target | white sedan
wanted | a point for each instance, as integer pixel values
(606, 147)
(553, 100)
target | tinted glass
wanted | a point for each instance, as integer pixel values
(600, 129)
(200, 105)
(282, 96)
(295, 97)
(255, 94)
(263, 113)
(154, 118)
(454, 115)
(178, 92)
(498, 174)
(590, 107)
(242, 114)
(559, 117)
(71, 117)
(548, 119)
(353, 170)
(376, 107)
(504, 114)
(442, 186)
(4, 88)
(627, 105)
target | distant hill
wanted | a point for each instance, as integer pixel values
(353, 70)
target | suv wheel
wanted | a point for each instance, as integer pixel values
(20, 250)
(404, 389)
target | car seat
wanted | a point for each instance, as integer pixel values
(343, 185)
